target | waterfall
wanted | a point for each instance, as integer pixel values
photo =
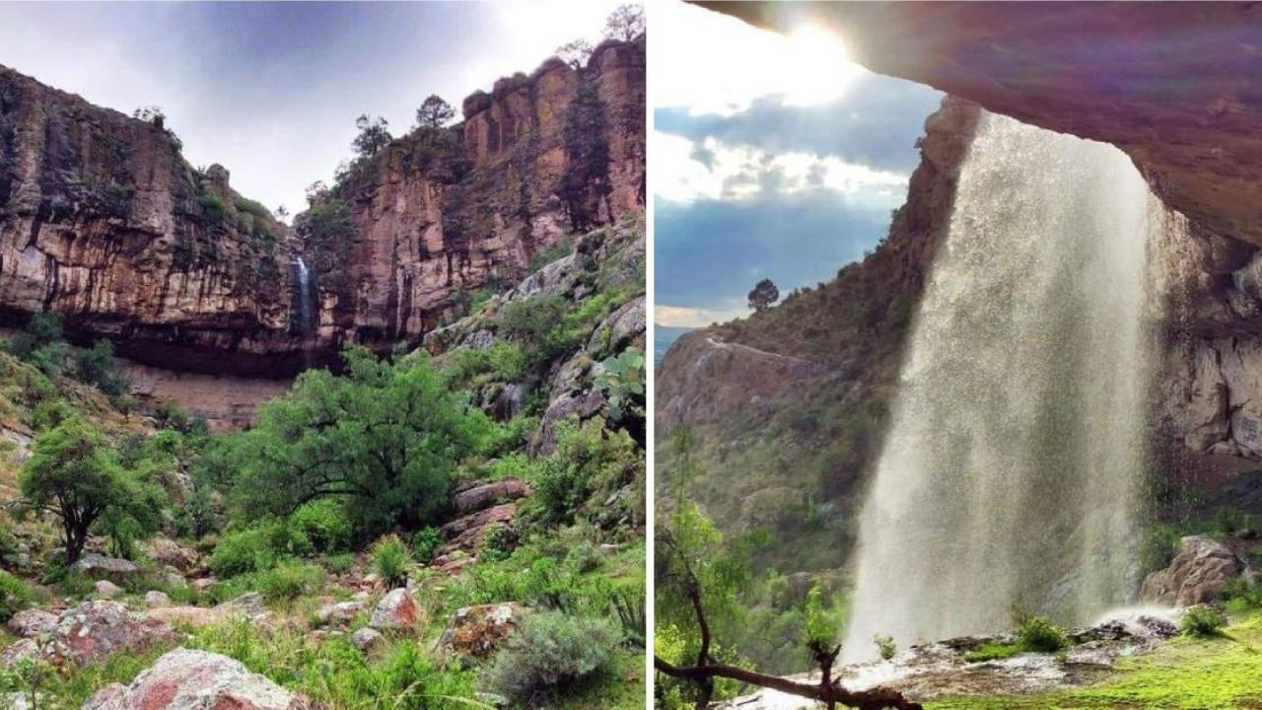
(1011, 470)
(306, 312)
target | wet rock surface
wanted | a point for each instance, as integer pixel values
(940, 670)
(1199, 572)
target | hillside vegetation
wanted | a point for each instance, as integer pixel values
(410, 532)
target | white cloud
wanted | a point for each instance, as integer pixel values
(685, 317)
(685, 171)
(712, 63)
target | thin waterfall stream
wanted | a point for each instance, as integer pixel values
(306, 316)
(1011, 473)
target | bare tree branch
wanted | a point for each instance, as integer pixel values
(878, 698)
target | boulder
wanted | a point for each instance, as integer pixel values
(90, 632)
(585, 406)
(102, 567)
(32, 622)
(187, 679)
(339, 612)
(366, 638)
(396, 610)
(624, 327)
(172, 553)
(466, 533)
(1199, 572)
(106, 589)
(155, 599)
(476, 631)
(248, 606)
(483, 494)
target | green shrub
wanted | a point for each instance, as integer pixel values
(390, 560)
(334, 674)
(15, 594)
(885, 646)
(424, 542)
(550, 653)
(589, 463)
(1242, 594)
(242, 551)
(340, 563)
(97, 366)
(323, 523)
(213, 208)
(290, 580)
(993, 651)
(1040, 635)
(498, 543)
(1202, 620)
(560, 250)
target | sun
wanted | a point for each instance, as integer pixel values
(817, 66)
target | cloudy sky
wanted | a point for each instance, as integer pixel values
(772, 156)
(271, 90)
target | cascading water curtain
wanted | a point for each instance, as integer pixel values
(1013, 463)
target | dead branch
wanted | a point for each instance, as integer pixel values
(879, 698)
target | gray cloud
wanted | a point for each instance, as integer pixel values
(271, 90)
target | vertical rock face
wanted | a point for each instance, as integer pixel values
(430, 226)
(102, 220)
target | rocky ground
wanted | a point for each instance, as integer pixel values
(162, 631)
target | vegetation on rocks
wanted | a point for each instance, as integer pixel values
(272, 545)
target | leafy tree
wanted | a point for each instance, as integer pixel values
(385, 438)
(434, 112)
(97, 365)
(73, 475)
(374, 134)
(763, 295)
(699, 577)
(575, 53)
(626, 22)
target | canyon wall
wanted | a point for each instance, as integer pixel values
(1176, 86)
(104, 222)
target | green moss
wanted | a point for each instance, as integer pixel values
(1223, 673)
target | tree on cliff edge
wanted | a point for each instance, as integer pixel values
(434, 112)
(763, 295)
(626, 22)
(374, 134)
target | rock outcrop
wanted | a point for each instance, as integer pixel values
(396, 611)
(188, 678)
(88, 633)
(103, 221)
(1173, 85)
(1198, 574)
(476, 631)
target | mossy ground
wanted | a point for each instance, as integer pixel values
(1220, 673)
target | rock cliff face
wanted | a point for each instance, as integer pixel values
(102, 220)
(1172, 85)
(430, 226)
